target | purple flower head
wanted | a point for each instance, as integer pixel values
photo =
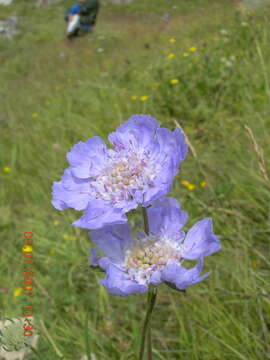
(132, 264)
(108, 182)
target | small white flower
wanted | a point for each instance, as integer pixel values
(228, 63)
(223, 32)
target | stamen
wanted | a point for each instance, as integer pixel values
(124, 174)
(152, 254)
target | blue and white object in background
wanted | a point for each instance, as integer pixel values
(74, 24)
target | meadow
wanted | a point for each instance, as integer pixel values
(201, 64)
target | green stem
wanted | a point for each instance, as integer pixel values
(145, 331)
(145, 220)
(87, 342)
(149, 341)
(152, 294)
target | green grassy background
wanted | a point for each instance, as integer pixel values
(48, 102)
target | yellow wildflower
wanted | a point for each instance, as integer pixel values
(255, 263)
(34, 115)
(203, 183)
(191, 186)
(185, 183)
(185, 54)
(144, 98)
(6, 169)
(174, 81)
(171, 56)
(193, 49)
(69, 237)
(133, 97)
(17, 292)
(27, 248)
(172, 40)
(55, 222)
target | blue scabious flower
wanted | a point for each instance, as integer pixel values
(132, 264)
(108, 182)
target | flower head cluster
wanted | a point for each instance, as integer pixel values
(108, 182)
(131, 265)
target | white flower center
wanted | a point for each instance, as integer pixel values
(124, 174)
(150, 255)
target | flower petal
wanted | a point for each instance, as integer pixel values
(156, 277)
(99, 214)
(200, 240)
(138, 130)
(168, 150)
(87, 158)
(166, 217)
(70, 192)
(181, 277)
(173, 143)
(161, 184)
(97, 261)
(119, 283)
(94, 257)
(112, 241)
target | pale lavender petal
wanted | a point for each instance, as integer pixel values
(99, 214)
(200, 240)
(181, 277)
(87, 158)
(113, 241)
(70, 193)
(156, 278)
(138, 130)
(104, 263)
(174, 145)
(97, 261)
(169, 151)
(120, 284)
(154, 193)
(94, 257)
(166, 217)
(181, 146)
(127, 205)
(161, 184)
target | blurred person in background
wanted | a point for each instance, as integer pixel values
(81, 17)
